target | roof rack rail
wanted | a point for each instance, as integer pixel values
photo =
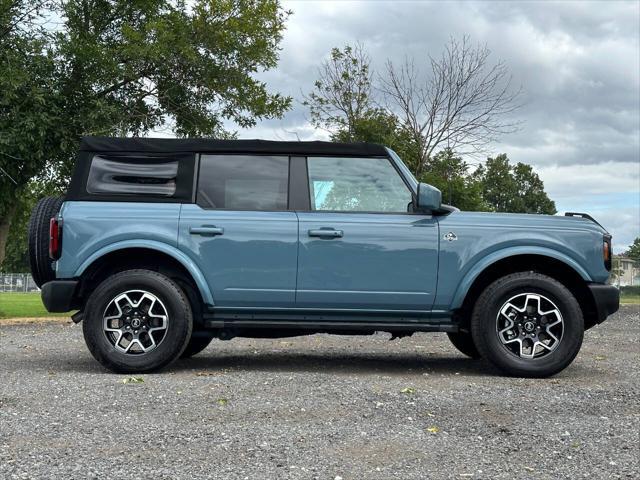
(584, 215)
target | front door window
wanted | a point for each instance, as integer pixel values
(356, 185)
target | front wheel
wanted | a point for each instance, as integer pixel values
(528, 325)
(137, 321)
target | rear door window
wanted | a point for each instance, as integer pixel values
(243, 182)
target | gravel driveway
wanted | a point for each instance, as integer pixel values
(321, 407)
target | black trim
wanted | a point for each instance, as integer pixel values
(298, 184)
(59, 295)
(328, 325)
(203, 145)
(608, 261)
(606, 299)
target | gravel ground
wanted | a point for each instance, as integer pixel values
(323, 407)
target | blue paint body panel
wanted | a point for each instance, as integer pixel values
(485, 238)
(252, 263)
(390, 264)
(382, 261)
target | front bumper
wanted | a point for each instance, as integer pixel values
(59, 295)
(607, 300)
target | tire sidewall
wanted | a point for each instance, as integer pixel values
(178, 329)
(484, 327)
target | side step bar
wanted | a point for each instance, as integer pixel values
(322, 325)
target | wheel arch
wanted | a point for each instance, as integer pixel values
(564, 270)
(150, 255)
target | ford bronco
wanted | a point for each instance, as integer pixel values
(162, 245)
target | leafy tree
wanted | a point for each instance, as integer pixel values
(342, 93)
(378, 126)
(513, 188)
(17, 255)
(450, 174)
(122, 67)
(634, 251)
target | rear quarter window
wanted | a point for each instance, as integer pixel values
(133, 175)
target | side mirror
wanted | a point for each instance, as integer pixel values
(429, 198)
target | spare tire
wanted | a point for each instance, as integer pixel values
(41, 265)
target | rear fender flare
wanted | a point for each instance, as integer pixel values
(173, 252)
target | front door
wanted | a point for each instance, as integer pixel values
(360, 248)
(240, 233)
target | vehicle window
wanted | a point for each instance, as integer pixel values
(137, 175)
(243, 182)
(356, 185)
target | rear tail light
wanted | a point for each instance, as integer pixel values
(55, 238)
(606, 252)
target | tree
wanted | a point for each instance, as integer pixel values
(342, 93)
(378, 126)
(464, 104)
(124, 68)
(516, 189)
(449, 173)
(634, 251)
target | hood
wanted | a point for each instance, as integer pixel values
(533, 221)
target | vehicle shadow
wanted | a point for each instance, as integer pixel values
(343, 363)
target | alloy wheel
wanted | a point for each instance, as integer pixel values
(530, 325)
(135, 322)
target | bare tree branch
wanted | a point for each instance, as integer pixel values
(464, 105)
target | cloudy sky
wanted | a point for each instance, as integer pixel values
(578, 64)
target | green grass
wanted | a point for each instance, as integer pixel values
(630, 299)
(22, 305)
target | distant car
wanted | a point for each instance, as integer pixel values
(164, 244)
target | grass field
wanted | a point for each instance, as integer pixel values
(630, 299)
(22, 305)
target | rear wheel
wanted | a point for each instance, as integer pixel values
(137, 321)
(38, 235)
(464, 343)
(528, 325)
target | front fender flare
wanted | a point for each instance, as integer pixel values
(173, 252)
(487, 261)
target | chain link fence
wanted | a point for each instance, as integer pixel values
(17, 282)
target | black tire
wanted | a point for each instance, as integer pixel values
(176, 335)
(486, 337)
(464, 343)
(38, 236)
(198, 342)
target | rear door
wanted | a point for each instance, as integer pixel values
(360, 246)
(240, 231)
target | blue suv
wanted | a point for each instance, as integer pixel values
(162, 245)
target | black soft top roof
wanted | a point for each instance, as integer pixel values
(203, 145)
